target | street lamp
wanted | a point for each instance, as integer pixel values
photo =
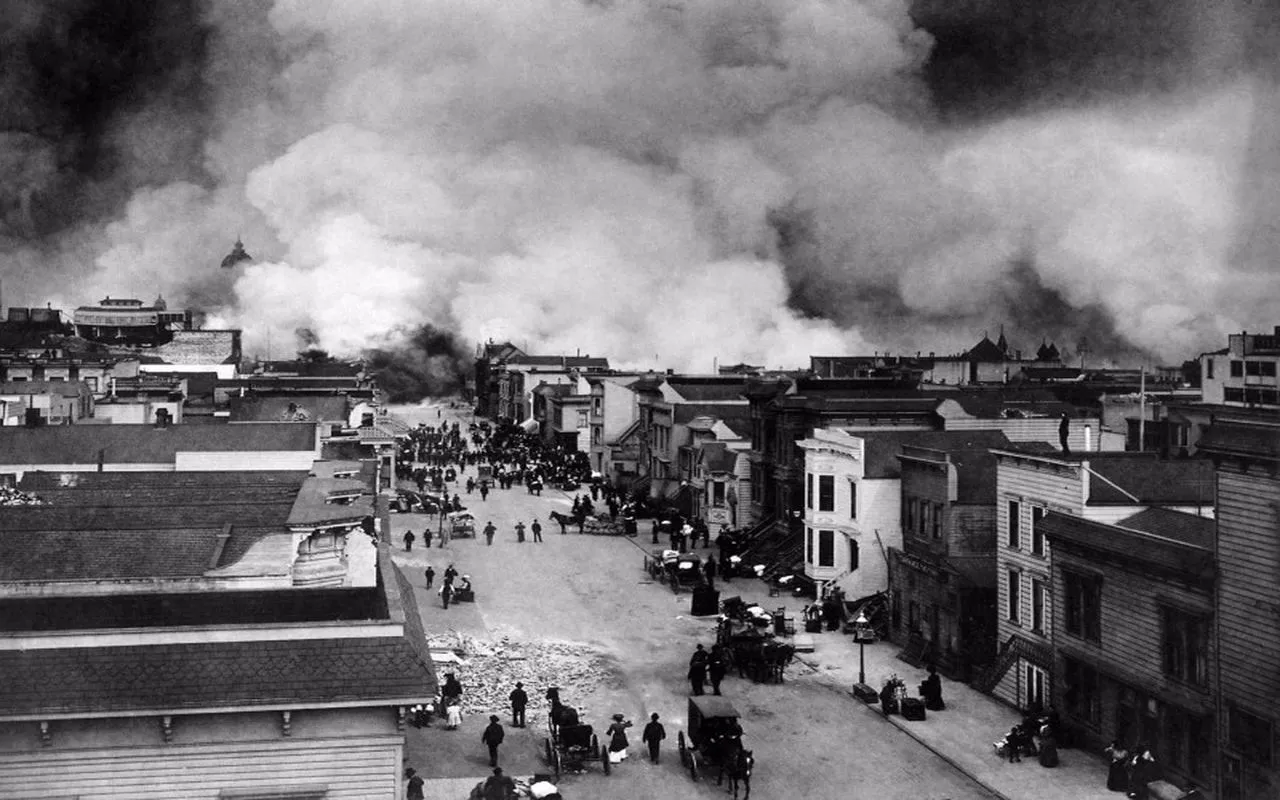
(862, 633)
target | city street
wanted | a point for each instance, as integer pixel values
(810, 738)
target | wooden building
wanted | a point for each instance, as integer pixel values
(1132, 636)
(1247, 607)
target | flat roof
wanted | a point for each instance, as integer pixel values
(147, 444)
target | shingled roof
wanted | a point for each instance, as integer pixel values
(883, 447)
(146, 444)
(1149, 553)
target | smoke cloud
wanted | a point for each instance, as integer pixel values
(662, 184)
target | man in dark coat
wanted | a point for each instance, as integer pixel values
(698, 670)
(710, 569)
(498, 786)
(431, 576)
(536, 528)
(717, 666)
(653, 735)
(414, 792)
(519, 699)
(408, 540)
(492, 737)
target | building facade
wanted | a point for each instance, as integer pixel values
(1244, 375)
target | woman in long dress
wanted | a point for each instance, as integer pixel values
(1118, 773)
(617, 734)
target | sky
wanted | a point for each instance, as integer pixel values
(669, 184)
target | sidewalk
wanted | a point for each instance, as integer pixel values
(962, 735)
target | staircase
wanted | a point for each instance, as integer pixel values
(1013, 648)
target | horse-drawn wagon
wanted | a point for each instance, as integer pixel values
(461, 523)
(750, 646)
(571, 744)
(677, 570)
(715, 740)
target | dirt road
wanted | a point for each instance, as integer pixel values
(810, 739)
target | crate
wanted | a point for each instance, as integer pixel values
(913, 709)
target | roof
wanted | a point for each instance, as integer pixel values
(1149, 553)
(718, 457)
(883, 447)
(563, 362)
(193, 347)
(702, 389)
(290, 408)
(1187, 528)
(1241, 438)
(985, 350)
(1151, 480)
(997, 403)
(684, 413)
(146, 444)
(713, 706)
(63, 388)
(739, 425)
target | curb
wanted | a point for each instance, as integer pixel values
(902, 726)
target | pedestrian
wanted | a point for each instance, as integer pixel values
(717, 666)
(431, 575)
(453, 714)
(577, 505)
(520, 532)
(493, 736)
(1118, 771)
(450, 573)
(408, 540)
(489, 531)
(452, 689)
(414, 792)
(706, 535)
(446, 594)
(595, 491)
(519, 699)
(654, 531)
(426, 538)
(471, 485)
(617, 734)
(536, 527)
(653, 735)
(931, 691)
(710, 569)
(698, 670)
(498, 786)
(484, 490)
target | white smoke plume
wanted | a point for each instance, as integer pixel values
(670, 183)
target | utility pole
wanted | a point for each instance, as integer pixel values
(1142, 409)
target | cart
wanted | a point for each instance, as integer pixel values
(685, 572)
(715, 737)
(570, 745)
(461, 523)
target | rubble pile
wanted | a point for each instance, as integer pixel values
(489, 669)
(14, 497)
(600, 524)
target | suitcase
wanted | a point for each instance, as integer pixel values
(913, 708)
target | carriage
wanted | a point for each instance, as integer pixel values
(462, 523)
(715, 741)
(751, 647)
(678, 570)
(571, 744)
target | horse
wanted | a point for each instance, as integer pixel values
(560, 715)
(564, 520)
(737, 765)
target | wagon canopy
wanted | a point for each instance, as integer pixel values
(712, 707)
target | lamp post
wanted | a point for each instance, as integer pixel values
(862, 632)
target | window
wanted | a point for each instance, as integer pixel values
(1037, 605)
(896, 611)
(717, 493)
(1208, 368)
(808, 545)
(926, 510)
(1013, 579)
(92, 383)
(826, 493)
(853, 499)
(1237, 369)
(597, 405)
(1037, 536)
(1233, 394)
(1083, 605)
(1083, 699)
(1249, 735)
(1260, 368)
(808, 491)
(937, 521)
(1015, 513)
(1182, 741)
(826, 548)
(597, 434)
(1185, 641)
(853, 554)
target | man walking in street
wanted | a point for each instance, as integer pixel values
(408, 540)
(710, 569)
(698, 670)
(653, 734)
(493, 736)
(414, 791)
(431, 575)
(519, 699)
(484, 490)
(489, 531)
(446, 592)
(536, 527)
(716, 667)
(520, 532)
(426, 538)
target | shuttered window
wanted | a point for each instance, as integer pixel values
(826, 493)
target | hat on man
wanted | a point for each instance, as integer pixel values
(653, 717)
(618, 717)
(519, 685)
(493, 717)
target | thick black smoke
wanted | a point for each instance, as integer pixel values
(100, 97)
(430, 362)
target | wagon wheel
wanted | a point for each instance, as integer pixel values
(556, 763)
(693, 764)
(604, 761)
(683, 748)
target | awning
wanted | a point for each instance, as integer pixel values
(530, 425)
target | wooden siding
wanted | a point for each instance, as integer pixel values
(1035, 430)
(1131, 626)
(1248, 597)
(1031, 484)
(354, 768)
